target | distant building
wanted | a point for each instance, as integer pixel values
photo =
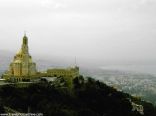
(63, 72)
(22, 67)
(67, 73)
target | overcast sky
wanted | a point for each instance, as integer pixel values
(93, 30)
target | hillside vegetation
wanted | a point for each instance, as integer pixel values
(88, 97)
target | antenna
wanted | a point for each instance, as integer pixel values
(75, 61)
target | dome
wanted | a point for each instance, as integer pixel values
(19, 53)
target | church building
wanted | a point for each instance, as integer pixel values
(22, 67)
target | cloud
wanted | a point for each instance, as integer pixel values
(147, 1)
(105, 27)
(52, 4)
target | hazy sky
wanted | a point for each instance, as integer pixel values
(94, 30)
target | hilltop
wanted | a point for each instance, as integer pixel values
(88, 97)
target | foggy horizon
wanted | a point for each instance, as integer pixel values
(78, 57)
(97, 32)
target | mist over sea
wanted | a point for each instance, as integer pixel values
(144, 69)
(85, 68)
